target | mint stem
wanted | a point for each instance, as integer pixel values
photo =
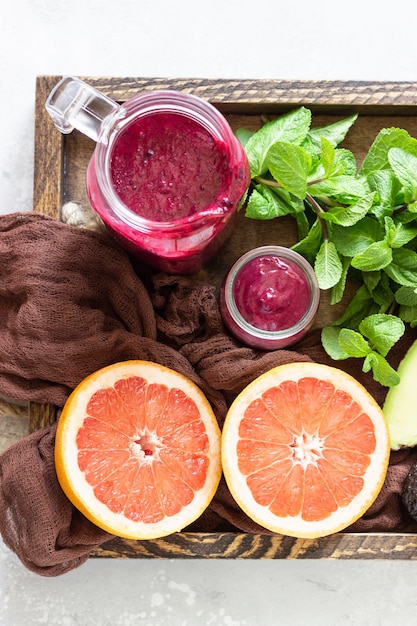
(274, 183)
(265, 181)
(318, 211)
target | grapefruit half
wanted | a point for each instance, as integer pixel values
(305, 450)
(138, 450)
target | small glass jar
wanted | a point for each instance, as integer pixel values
(270, 297)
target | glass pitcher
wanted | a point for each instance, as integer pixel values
(167, 174)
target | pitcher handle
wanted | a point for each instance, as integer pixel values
(74, 104)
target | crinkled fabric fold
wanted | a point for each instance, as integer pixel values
(70, 303)
(37, 520)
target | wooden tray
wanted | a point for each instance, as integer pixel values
(60, 165)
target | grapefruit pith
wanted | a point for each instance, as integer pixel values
(305, 450)
(138, 450)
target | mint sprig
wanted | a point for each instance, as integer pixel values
(352, 222)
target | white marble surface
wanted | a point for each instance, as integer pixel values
(219, 39)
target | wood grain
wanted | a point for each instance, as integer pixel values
(381, 546)
(270, 95)
(60, 166)
(41, 415)
(48, 156)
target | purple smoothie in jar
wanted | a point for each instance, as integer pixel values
(167, 174)
(270, 297)
(167, 167)
(174, 181)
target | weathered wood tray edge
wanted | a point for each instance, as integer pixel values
(229, 95)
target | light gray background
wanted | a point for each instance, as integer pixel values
(359, 40)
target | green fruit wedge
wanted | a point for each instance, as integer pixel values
(400, 406)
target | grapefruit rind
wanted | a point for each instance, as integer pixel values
(72, 479)
(374, 476)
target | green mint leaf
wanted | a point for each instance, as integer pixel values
(344, 163)
(401, 234)
(357, 238)
(330, 342)
(291, 127)
(328, 266)
(333, 133)
(371, 280)
(294, 204)
(267, 203)
(314, 150)
(327, 156)
(243, 135)
(303, 225)
(353, 343)
(338, 289)
(389, 226)
(263, 204)
(383, 294)
(408, 314)
(403, 268)
(347, 216)
(310, 244)
(412, 208)
(377, 156)
(289, 165)
(382, 371)
(259, 207)
(405, 216)
(344, 189)
(404, 165)
(361, 305)
(377, 256)
(405, 258)
(387, 188)
(406, 296)
(344, 343)
(383, 331)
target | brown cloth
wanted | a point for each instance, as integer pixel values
(70, 303)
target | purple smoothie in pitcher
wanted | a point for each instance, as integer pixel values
(167, 174)
(177, 186)
(166, 167)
